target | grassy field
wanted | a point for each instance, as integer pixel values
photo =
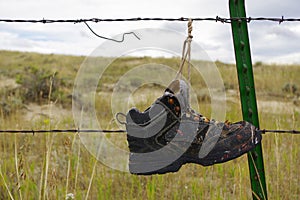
(57, 165)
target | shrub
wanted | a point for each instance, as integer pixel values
(38, 84)
(290, 88)
(10, 101)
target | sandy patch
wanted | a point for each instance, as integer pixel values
(35, 112)
(8, 83)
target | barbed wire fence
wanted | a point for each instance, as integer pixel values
(33, 132)
(183, 19)
(223, 20)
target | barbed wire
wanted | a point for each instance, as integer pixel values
(33, 132)
(184, 19)
(64, 131)
(279, 131)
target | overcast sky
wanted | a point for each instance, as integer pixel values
(270, 42)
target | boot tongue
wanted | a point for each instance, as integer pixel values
(180, 89)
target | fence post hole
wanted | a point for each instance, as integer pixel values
(247, 93)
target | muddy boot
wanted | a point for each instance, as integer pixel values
(169, 134)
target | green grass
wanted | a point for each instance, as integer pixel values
(50, 166)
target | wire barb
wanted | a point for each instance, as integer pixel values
(111, 39)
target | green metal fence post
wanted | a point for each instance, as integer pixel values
(247, 93)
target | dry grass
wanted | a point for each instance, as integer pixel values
(53, 166)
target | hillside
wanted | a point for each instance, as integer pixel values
(25, 76)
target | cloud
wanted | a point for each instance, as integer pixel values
(269, 41)
(273, 43)
(273, 8)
